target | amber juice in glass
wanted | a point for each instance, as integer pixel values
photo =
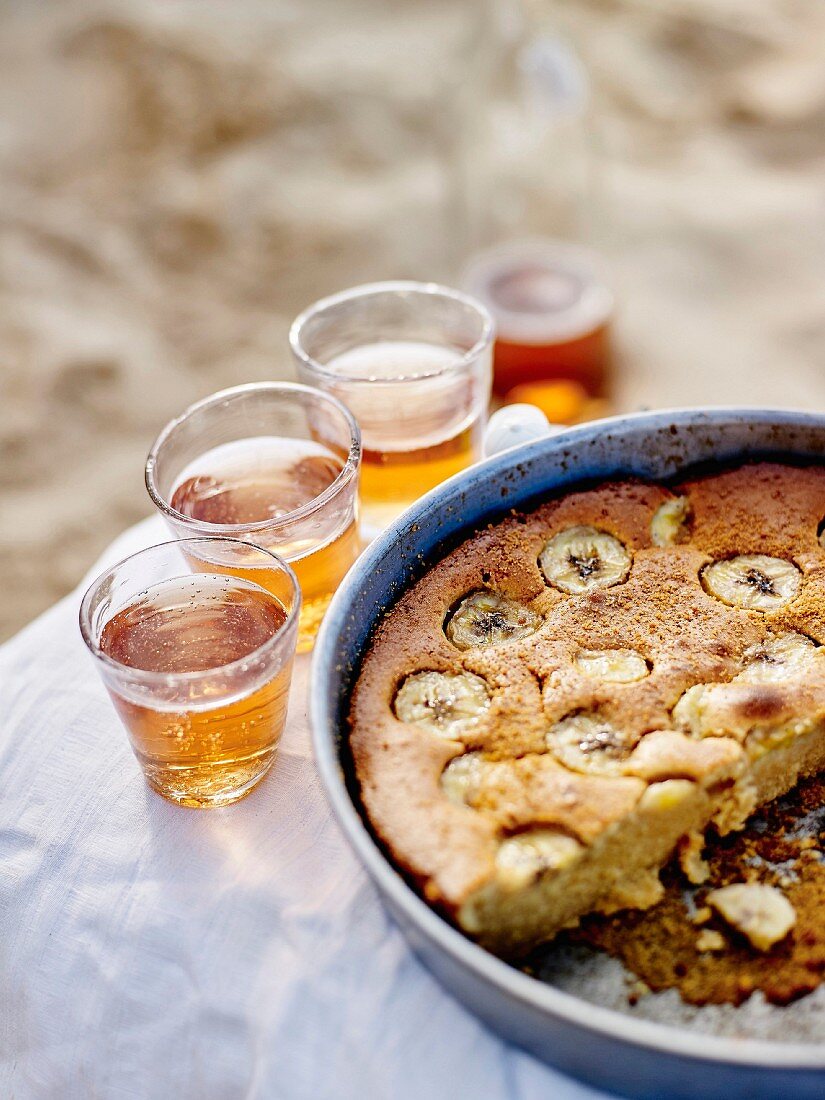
(553, 312)
(412, 362)
(197, 664)
(273, 463)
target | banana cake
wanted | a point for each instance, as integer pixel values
(577, 693)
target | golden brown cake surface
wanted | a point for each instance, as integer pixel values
(573, 692)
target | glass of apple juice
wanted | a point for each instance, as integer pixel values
(412, 361)
(272, 463)
(197, 663)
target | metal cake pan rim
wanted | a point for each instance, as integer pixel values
(541, 997)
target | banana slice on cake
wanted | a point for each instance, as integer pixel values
(445, 702)
(670, 522)
(522, 858)
(615, 666)
(587, 743)
(462, 777)
(688, 712)
(760, 912)
(755, 582)
(485, 618)
(581, 558)
(778, 658)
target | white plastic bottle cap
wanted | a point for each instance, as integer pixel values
(514, 425)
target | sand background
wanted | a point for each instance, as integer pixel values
(178, 179)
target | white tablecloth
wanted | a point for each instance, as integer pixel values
(149, 951)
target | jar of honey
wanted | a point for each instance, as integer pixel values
(553, 309)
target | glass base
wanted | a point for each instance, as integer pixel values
(312, 612)
(202, 788)
(375, 517)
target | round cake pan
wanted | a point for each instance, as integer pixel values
(606, 1048)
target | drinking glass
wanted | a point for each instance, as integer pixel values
(553, 309)
(412, 363)
(275, 463)
(197, 661)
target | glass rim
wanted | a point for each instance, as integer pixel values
(593, 308)
(408, 286)
(146, 676)
(343, 478)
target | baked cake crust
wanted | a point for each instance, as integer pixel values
(590, 746)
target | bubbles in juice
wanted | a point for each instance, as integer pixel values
(199, 742)
(259, 478)
(265, 478)
(420, 421)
